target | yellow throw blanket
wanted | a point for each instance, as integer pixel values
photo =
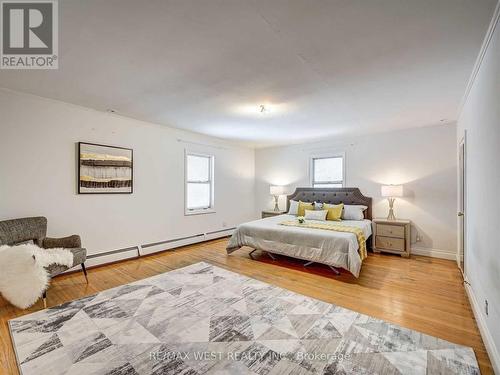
(360, 236)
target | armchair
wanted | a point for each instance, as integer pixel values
(16, 231)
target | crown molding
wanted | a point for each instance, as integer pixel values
(482, 52)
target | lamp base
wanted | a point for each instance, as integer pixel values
(276, 207)
(391, 215)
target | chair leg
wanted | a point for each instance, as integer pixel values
(44, 296)
(85, 272)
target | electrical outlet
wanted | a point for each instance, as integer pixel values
(486, 307)
(224, 224)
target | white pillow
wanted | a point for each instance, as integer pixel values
(316, 215)
(294, 208)
(318, 206)
(353, 212)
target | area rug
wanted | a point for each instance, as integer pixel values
(203, 319)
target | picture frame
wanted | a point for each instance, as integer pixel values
(105, 169)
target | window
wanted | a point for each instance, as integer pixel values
(327, 172)
(199, 183)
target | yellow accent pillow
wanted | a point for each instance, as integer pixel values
(334, 211)
(303, 207)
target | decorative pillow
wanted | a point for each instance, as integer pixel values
(316, 215)
(353, 212)
(304, 206)
(334, 211)
(294, 207)
(318, 206)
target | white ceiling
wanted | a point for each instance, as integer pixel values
(337, 67)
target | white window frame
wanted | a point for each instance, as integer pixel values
(211, 180)
(327, 156)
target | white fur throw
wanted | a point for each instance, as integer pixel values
(23, 277)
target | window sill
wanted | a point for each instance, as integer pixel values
(199, 212)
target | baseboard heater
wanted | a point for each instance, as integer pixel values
(145, 246)
(221, 230)
(153, 247)
(112, 252)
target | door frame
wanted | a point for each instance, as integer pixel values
(462, 190)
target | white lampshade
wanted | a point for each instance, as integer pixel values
(277, 190)
(392, 190)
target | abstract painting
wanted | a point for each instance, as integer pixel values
(104, 169)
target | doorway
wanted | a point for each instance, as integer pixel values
(462, 248)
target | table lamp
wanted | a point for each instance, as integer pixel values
(391, 192)
(276, 191)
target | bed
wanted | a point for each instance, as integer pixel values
(334, 248)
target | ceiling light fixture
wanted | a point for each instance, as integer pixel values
(262, 110)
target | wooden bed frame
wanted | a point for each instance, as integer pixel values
(331, 196)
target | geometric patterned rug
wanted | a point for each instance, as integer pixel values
(203, 319)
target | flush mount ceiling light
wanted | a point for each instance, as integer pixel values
(261, 110)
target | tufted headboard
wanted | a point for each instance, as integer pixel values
(331, 195)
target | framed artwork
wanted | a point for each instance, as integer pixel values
(105, 169)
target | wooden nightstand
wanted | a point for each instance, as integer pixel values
(270, 213)
(392, 236)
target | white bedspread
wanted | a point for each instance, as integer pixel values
(338, 249)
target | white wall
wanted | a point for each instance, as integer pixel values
(38, 175)
(480, 118)
(38, 171)
(422, 159)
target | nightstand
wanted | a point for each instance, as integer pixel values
(392, 236)
(270, 213)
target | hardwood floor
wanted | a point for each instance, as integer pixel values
(420, 293)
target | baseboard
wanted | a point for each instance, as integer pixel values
(170, 245)
(110, 257)
(434, 253)
(483, 329)
(118, 255)
(190, 240)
